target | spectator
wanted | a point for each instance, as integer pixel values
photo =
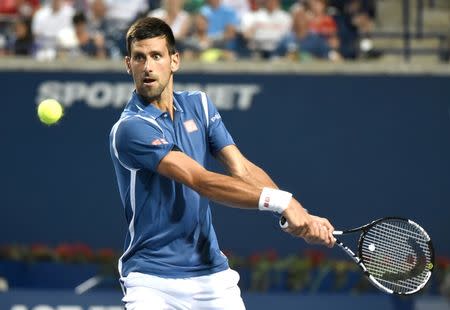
(302, 44)
(173, 14)
(91, 45)
(125, 12)
(222, 24)
(23, 39)
(98, 26)
(355, 21)
(240, 7)
(18, 8)
(361, 12)
(321, 23)
(3, 44)
(265, 28)
(96, 16)
(76, 41)
(299, 5)
(199, 45)
(120, 14)
(47, 22)
(10, 10)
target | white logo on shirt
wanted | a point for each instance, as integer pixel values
(159, 141)
(216, 117)
(190, 126)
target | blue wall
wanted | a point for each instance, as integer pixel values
(350, 147)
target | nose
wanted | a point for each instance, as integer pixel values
(148, 65)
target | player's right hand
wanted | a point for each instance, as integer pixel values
(321, 232)
(314, 229)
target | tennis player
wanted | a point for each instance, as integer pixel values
(159, 148)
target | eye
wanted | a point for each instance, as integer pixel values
(138, 57)
(156, 56)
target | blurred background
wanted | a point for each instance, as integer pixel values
(346, 103)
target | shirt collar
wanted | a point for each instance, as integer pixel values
(176, 104)
(140, 105)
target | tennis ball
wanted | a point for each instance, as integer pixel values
(50, 111)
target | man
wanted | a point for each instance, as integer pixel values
(222, 24)
(46, 25)
(265, 28)
(159, 148)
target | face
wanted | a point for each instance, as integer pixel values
(201, 23)
(98, 8)
(21, 30)
(318, 6)
(174, 5)
(57, 4)
(272, 4)
(214, 3)
(152, 68)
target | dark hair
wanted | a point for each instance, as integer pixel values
(79, 18)
(150, 27)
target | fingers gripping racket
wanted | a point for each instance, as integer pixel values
(396, 254)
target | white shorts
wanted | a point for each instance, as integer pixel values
(215, 291)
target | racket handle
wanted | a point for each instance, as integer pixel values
(284, 224)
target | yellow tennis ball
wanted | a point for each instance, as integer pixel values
(50, 111)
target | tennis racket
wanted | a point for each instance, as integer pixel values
(395, 254)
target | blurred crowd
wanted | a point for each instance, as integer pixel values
(208, 30)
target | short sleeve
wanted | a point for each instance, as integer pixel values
(139, 144)
(233, 18)
(218, 135)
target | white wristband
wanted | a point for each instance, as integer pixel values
(274, 200)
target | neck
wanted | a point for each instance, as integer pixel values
(165, 101)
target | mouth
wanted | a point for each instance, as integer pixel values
(148, 81)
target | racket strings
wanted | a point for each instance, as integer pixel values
(395, 243)
(396, 254)
(408, 229)
(379, 267)
(397, 263)
(385, 263)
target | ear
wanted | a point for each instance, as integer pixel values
(175, 62)
(128, 64)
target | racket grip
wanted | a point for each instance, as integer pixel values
(284, 224)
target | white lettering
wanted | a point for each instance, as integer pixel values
(73, 91)
(215, 117)
(19, 307)
(49, 89)
(103, 94)
(42, 307)
(122, 94)
(246, 93)
(100, 95)
(226, 96)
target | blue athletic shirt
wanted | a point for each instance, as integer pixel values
(170, 232)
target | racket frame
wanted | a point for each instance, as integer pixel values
(357, 257)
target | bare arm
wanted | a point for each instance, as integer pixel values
(227, 190)
(240, 167)
(300, 222)
(235, 192)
